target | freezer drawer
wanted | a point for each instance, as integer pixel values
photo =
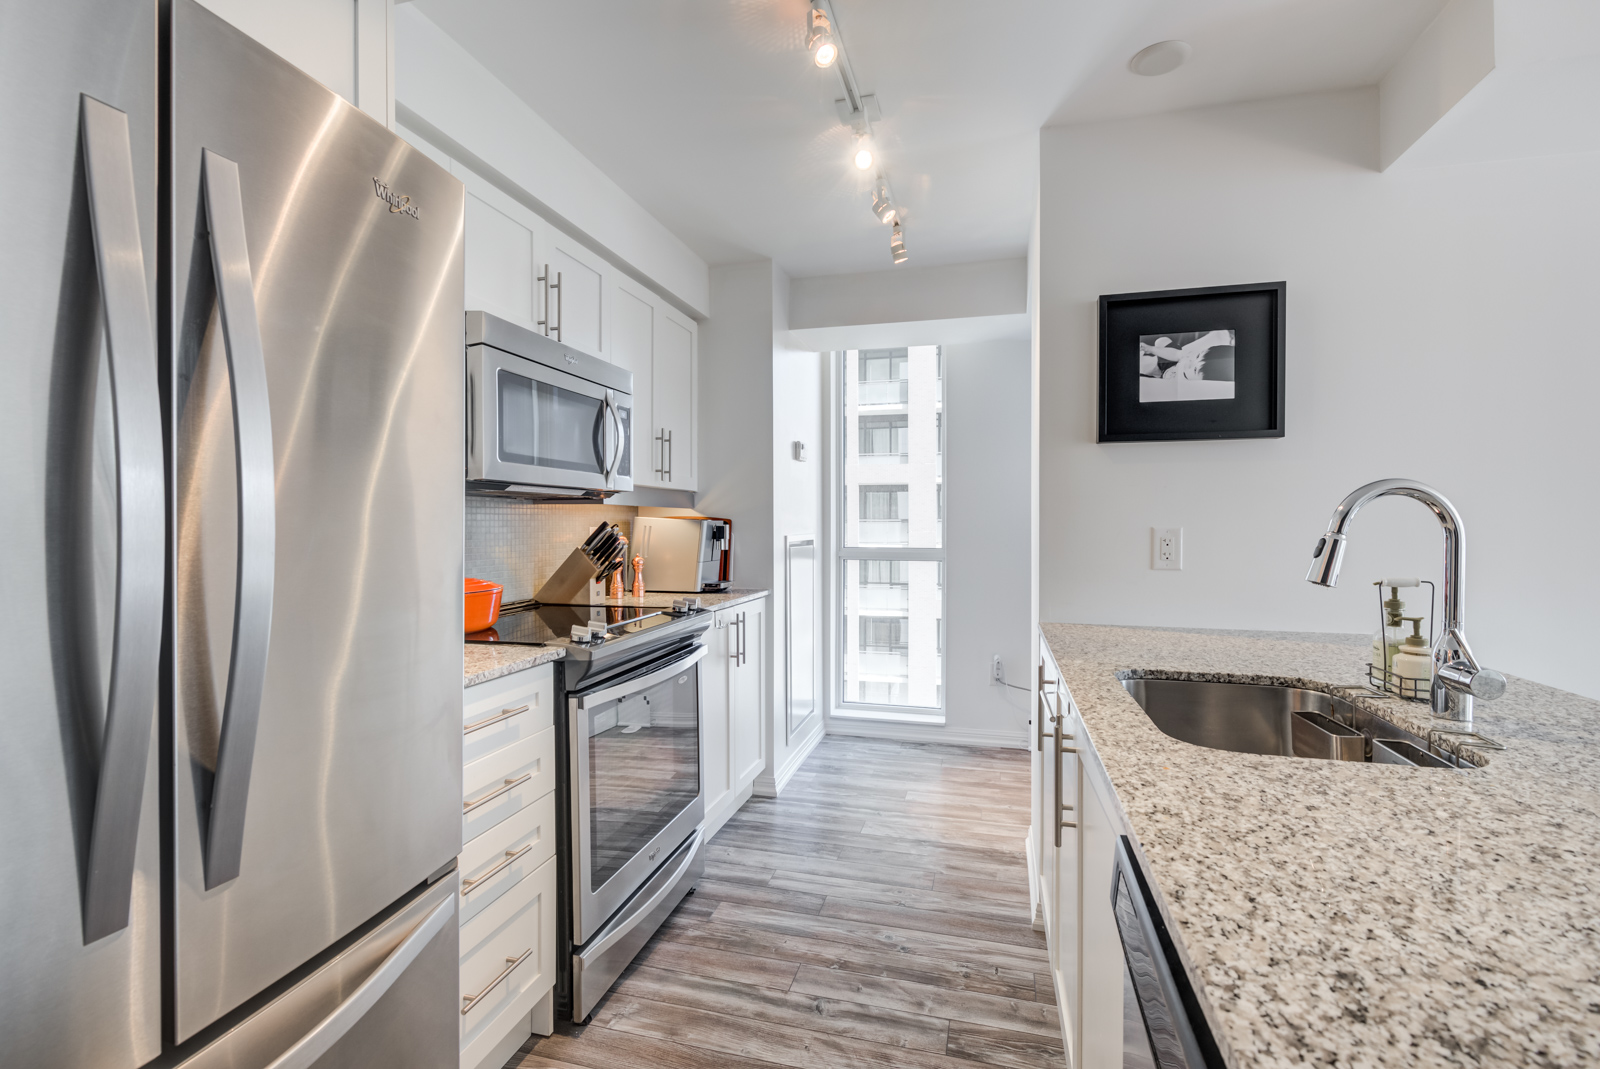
(384, 1003)
(508, 959)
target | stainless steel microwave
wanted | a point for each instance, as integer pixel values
(543, 418)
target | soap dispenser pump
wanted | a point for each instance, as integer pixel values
(1413, 663)
(1386, 643)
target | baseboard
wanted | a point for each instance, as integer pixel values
(888, 729)
(770, 786)
(723, 811)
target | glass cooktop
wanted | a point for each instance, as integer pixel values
(526, 624)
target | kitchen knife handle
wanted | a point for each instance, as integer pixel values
(141, 518)
(257, 503)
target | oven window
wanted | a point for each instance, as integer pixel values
(644, 768)
(544, 425)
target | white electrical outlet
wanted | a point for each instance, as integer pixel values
(1166, 549)
(998, 672)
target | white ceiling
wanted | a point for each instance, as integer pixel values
(711, 115)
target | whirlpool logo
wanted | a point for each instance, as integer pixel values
(395, 201)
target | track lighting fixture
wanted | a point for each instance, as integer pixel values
(882, 204)
(864, 153)
(897, 245)
(819, 41)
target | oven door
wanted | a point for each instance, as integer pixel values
(635, 775)
(533, 425)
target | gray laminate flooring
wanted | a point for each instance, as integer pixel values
(875, 915)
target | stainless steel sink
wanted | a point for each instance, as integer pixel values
(1280, 721)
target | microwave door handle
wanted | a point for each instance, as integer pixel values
(252, 437)
(616, 420)
(141, 518)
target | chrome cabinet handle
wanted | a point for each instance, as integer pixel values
(561, 316)
(504, 714)
(252, 438)
(467, 807)
(476, 882)
(315, 1043)
(670, 457)
(511, 966)
(1061, 806)
(141, 518)
(545, 322)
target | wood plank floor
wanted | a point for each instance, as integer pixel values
(875, 915)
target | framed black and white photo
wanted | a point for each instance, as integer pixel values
(1192, 364)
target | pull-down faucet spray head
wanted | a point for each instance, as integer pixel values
(1326, 559)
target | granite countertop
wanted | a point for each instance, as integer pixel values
(485, 661)
(1344, 914)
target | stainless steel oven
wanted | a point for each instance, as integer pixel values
(543, 417)
(634, 804)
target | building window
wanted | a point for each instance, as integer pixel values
(891, 533)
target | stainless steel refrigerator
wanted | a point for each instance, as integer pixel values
(230, 557)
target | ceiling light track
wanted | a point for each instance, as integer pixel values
(858, 111)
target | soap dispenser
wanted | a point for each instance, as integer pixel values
(1413, 663)
(1386, 643)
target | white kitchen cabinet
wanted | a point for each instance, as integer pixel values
(500, 272)
(732, 710)
(574, 293)
(507, 865)
(1073, 842)
(672, 403)
(656, 343)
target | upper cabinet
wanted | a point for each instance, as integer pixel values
(657, 343)
(521, 268)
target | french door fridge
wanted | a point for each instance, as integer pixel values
(230, 427)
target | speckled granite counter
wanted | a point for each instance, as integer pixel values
(483, 662)
(1341, 914)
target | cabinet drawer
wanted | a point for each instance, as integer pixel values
(494, 787)
(508, 948)
(499, 858)
(504, 711)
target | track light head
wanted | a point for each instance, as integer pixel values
(897, 245)
(863, 155)
(882, 205)
(819, 38)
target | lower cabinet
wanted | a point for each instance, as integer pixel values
(732, 709)
(1073, 843)
(507, 865)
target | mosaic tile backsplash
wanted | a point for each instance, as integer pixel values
(520, 544)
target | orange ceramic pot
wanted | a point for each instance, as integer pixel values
(481, 600)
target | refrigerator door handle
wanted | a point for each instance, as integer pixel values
(141, 518)
(332, 1028)
(252, 438)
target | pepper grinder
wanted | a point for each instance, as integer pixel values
(638, 577)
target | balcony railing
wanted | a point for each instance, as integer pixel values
(884, 458)
(885, 533)
(883, 392)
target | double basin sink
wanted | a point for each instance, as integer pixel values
(1281, 721)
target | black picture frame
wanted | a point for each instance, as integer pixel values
(1251, 405)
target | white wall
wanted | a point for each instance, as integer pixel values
(989, 580)
(745, 430)
(450, 98)
(1438, 328)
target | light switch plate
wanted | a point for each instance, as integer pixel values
(1166, 549)
(800, 451)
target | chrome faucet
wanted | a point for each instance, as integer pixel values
(1455, 670)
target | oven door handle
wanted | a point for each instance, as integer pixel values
(638, 683)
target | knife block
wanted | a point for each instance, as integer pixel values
(576, 582)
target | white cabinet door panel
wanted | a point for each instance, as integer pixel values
(672, 433)
(715, 759)
(499, 263)
(744, 695)
(633, 348)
